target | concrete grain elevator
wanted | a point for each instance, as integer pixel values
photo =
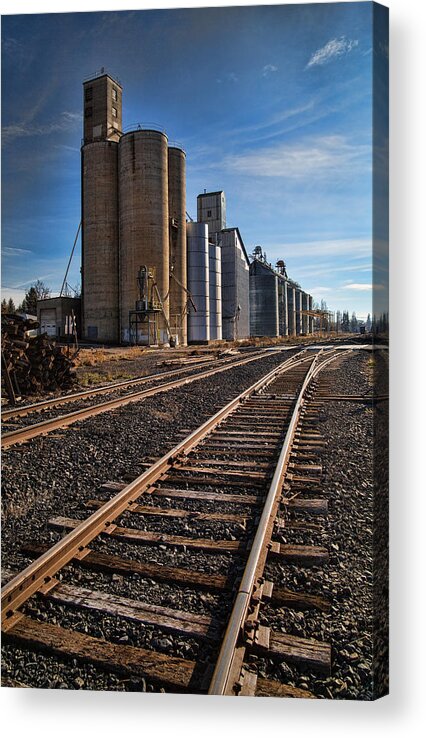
(133, 222)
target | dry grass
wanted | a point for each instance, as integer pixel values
(94, 357)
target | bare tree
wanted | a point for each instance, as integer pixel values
(37, 291)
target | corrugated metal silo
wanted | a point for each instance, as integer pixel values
(298, 313)
(311, 319)
(198, 282)
(291, 301)
(144, 218)
(263, 300)
(215, 287)
(282, 306)
(177, 236)
(305, 306)
(100, 241)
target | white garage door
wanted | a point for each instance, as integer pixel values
(48, 322)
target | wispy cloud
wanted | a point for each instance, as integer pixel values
(313, 158)
(66, 121)
(228, 77)
(358, 287)
(332, 50)
(22, 285)
(350, 247)
(11, 251)
(269, 69)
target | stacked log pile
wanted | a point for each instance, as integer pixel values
(34, 363)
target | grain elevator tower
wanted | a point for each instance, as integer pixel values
(102, 106)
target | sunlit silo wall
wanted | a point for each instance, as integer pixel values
(215, 292)
(177, 238)
(198, 282)
(235, 286)
(291, 301)
(305, 318)
(100, 241)
(144, 218)
(264, 318)
(282, 306)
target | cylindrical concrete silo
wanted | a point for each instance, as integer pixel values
(215, 295)
(100, 241)
(177, 240)
(144, 219)
(198, 282)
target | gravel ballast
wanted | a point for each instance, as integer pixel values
(106, 447)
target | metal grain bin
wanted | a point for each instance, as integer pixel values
(198, 282)
(264, 317)
(100, 241)
(215, 297)
(144, 218)
(305, 318)
(291, 302)
(282, 306)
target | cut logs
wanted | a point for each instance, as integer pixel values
(31, 363)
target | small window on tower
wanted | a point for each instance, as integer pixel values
(114, 94)
(209, 213)
(88, 113)
(89, 93)
(114, 112)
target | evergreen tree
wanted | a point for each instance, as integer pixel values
(37, 291)
(345, 322)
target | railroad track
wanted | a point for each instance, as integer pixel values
(229, 487)
(34, 429)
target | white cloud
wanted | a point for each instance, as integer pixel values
(332, 50)
(316, 157)
(353, 248)
(269, 69)
(66, 121)
(10, 292)
(11, 251)
(358, 287)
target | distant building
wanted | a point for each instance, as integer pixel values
(53, 312)
(211, 209)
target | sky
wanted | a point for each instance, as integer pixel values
(273, 105)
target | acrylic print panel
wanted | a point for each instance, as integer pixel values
(195, 261)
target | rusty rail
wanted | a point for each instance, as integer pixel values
(63, 421)
(19, 412)
(40, 572)
(230, 658)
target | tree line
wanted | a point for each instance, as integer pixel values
(38, 291)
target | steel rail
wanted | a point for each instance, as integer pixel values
(62, 421)
(17, 412)
(19, 589)
(222, 679)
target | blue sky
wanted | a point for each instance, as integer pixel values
(273, 104)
